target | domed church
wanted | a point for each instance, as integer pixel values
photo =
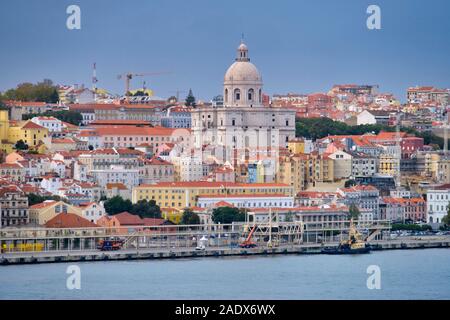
(243, 122)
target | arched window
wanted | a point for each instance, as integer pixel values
(237, 94)
(226, 95)
(250, 94)
(260, 96)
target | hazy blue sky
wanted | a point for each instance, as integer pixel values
(299, 46)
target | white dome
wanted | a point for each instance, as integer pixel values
(242, 71)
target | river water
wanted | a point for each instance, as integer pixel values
(405, 274)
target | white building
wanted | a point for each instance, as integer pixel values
(50, 123)
(366, 198)
(51, 183)
(92, 211)
(342, 162)
(363, 165)
(116, 174)
(247, 201)
(438, 200)
(191, 168)
(243, 123)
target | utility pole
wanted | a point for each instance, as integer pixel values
(398, 152)
(445, 132)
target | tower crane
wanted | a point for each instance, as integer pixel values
(130, 75)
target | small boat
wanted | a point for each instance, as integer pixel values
(353, 245)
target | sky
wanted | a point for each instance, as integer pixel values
(298, 46)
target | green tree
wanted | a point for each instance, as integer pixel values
(190, 99)
(446, 218)
(227, 215)
(43, 91)
(21, 145)
(190, 217)
(349, 183)
(68, 116)
(317, 128)
(117, 205)
(146, 209)
(353, 212)
(36, 198)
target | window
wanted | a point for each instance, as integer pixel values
(250, 94)
(237, 94)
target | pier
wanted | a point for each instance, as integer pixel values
(45, 245)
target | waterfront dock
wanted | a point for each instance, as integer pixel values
(180, 252)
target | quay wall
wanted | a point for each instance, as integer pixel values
(80, 256)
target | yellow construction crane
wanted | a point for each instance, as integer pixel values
(128, 76)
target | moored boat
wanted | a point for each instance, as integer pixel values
(355, 244)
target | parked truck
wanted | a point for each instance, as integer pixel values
(110, 245)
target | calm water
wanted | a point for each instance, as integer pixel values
(406, 274)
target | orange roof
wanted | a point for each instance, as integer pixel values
(223, 204)
(44, 204)
(48, 118)
(208, 184)
(153, 221)
(32, 125)
(156, 161)
(126, 218)
(94, 106)
(119, 122)
(69, 220)
(10, 166)
(384, 135)
(243, 196)
(63, 141)
(118, 185)
(118, 130)
(359, 188)
(25, 103)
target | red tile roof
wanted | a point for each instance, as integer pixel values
(44, 204)
(128, 219)
(119, 186)
(207, 184)
(32, 125)
(69, 220)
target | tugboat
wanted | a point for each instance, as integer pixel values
(353, 245)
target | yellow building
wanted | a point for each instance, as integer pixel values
(432, 161)
(291, 171)
(41, 213)
(31, 133)
(296, 146)
(320, 168)
(179, 195)
(388, 164)
(5, 146)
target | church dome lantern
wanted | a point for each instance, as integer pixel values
(242, 81)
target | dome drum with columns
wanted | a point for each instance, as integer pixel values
(242, 81)
(243, 112)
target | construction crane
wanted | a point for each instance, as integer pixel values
(445, 122)
(128, 76)
(248, 243)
